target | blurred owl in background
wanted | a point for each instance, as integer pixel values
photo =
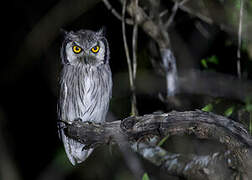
(85, 85)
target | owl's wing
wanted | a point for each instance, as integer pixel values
(62, 100)
(60, 106)
(74, 150)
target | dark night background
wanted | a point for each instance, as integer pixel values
(29, 80)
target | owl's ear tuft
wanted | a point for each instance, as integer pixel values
(102, 31)
(63, 32)
(66, 33)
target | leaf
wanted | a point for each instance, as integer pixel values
(145, 177)
(229, 111)
(163, 140)
(208, 108)
(204, 63)
(213, 59)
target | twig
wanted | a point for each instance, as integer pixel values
(171, 18)
(115, 13)
(197, 14)
(174, 12)
(134, 44)
(131, 77)
(150, 27)
(134, 52)
(126, 45)
(163, 13)
(194, 12)
(239, 40)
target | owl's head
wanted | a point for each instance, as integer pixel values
(85, 47)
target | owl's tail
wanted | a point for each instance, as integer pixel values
(74, 150)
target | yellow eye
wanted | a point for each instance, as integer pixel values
(77, 49)
(95, 49)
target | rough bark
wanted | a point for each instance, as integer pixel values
(231, 164)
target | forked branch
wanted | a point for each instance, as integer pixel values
(220, 165)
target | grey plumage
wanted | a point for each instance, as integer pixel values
(85, 85)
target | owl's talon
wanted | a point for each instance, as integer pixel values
(61, 127)
(78, 120)
(86, 147)
(65, 122)
(62, 124)
(143, 138)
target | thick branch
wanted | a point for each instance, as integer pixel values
(202, 124)
(212, 167)
(158, 33)
(150, 27)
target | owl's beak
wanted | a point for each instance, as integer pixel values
(84, 60)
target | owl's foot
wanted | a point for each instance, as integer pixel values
(62, 121)
(89, 126)
(91, 122)
(78, 120)
(144, 139)
(62, 124)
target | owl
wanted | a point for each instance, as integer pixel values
(85, 85)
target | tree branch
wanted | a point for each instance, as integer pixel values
(157, 31)
(203, 125)
(134, 45)
(130, 67)
(212, 167)
(174, 12)
(240, 40)
(150, 27)
(115, 13)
